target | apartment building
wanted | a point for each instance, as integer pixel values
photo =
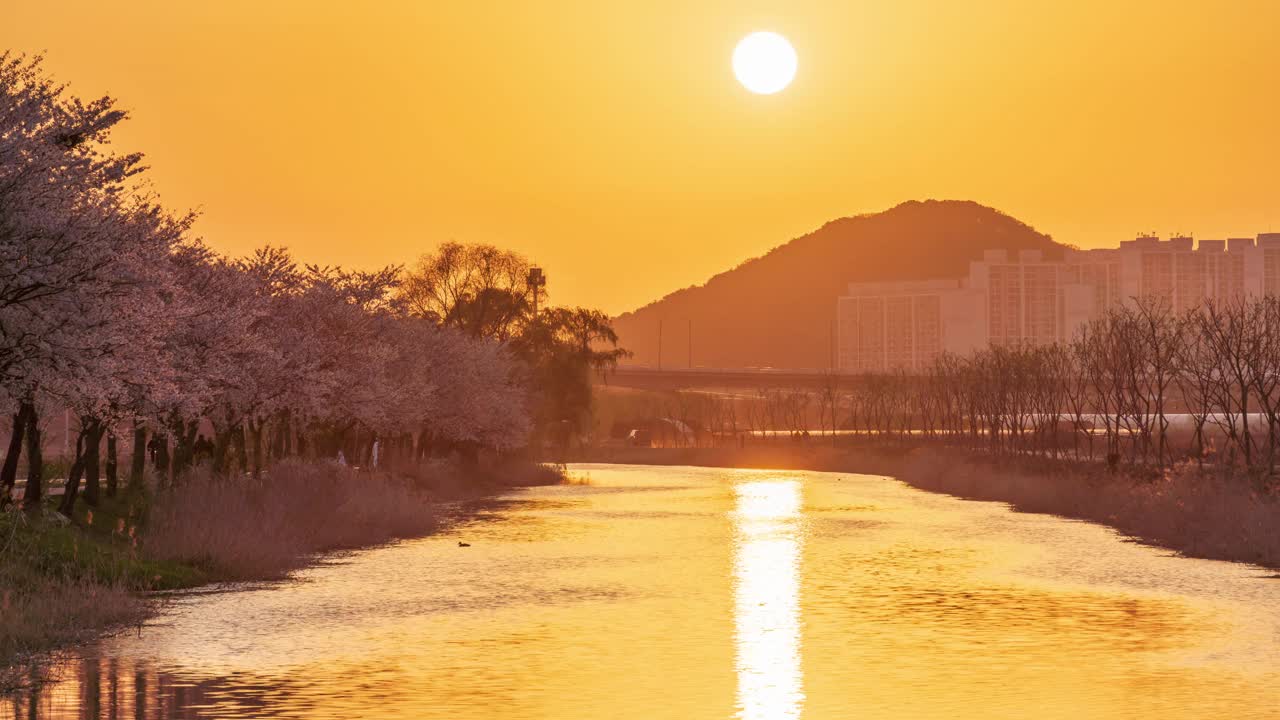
(1025, 298)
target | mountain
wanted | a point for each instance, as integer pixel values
(778, 310)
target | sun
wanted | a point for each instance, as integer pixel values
(764, 62)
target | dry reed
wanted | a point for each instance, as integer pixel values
(243, 528)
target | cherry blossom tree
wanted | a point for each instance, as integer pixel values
(80, 245)
(111, 310)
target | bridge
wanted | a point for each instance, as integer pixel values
(649, 378)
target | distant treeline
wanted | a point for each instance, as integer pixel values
(1110, 394)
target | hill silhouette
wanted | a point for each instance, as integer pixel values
(777, 310)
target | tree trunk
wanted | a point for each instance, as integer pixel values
(162, 454)
(92, 458)
(35, 465)
(73, 477)
(286, 436)
(425, 444)
(255, 429)
(1246, 439)
(367, 451)
(9, 473)
(221, 446)
(189, 443)
(184, 445)
(138, 463)
(242, 452)
(112, 459)
(272, 440)
(279, 433)
(178, 462)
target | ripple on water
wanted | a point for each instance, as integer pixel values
(703, 593)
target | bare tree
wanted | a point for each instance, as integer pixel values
(479, 289)
(1227, 328)
(1159, 335)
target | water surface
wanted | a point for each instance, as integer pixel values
(708, 593)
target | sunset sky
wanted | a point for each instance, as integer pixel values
(610, 142)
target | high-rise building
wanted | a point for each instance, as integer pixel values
(906, 324)
(1025, 298)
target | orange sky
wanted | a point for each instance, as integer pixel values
(610, 142)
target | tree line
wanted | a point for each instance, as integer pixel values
(1113, 393)
(112, 309)
(1113, 390)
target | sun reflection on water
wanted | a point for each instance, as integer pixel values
(704, 593)
(766, 568)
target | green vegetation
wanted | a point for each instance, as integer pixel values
(96, 545)
(65, 580)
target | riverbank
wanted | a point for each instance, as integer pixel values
(67, 581)
(711, 593)
(1192, 512)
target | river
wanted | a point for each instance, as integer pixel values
(653, 592)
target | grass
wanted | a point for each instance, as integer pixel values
(65, 581)
(99, 544)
